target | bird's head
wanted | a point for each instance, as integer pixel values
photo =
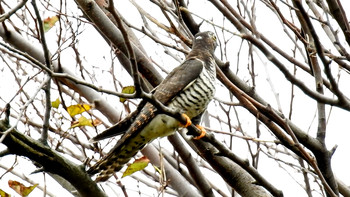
(205, 40)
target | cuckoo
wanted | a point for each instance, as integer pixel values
(188, 89)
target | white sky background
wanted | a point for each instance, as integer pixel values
(97, 55)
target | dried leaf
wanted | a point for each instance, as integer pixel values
(78, 109)
(96, 122)
(139, 164)
(20, 188)
(127, 90)
(49, 22)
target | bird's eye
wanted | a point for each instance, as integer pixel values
(213, 37)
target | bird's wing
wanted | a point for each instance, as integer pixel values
(179, 79)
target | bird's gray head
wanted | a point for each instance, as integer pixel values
(205, 40)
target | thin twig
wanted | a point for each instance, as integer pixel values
(240, 23)
(290, 77)
(135, 72)
(47, 87)
(8, 14)
(342, 99)
(5, 133)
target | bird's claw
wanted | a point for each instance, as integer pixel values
(203, 132)
(188, 120)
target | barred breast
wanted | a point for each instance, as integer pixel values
(194, 99)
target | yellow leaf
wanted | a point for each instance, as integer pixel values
(127, 90)
(82, 122)
(20, 188)
(139, 164)
(56, 103)
(78, 109)
(4, 194)
(49, 22)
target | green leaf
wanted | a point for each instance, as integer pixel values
(127, 90)
(139, 164)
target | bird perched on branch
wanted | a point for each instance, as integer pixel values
(188, 89)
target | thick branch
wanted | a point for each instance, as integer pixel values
(232, 173)
(187, 17)
(337, 10)
(51, 161)
(192, 166)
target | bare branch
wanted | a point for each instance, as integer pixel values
(7, 15)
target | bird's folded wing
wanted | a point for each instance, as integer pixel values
(179, 79)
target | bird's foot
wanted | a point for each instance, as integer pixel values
(188, 120)
(203, 132)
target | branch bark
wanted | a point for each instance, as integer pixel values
(50, 161)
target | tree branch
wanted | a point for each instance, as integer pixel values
(51, 161)
(47, 87)
(196, 174)
(113, 34)
(7, 15)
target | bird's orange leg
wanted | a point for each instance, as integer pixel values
(188, 121)
(202, 132)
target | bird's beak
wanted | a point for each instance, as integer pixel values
(215, 40)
